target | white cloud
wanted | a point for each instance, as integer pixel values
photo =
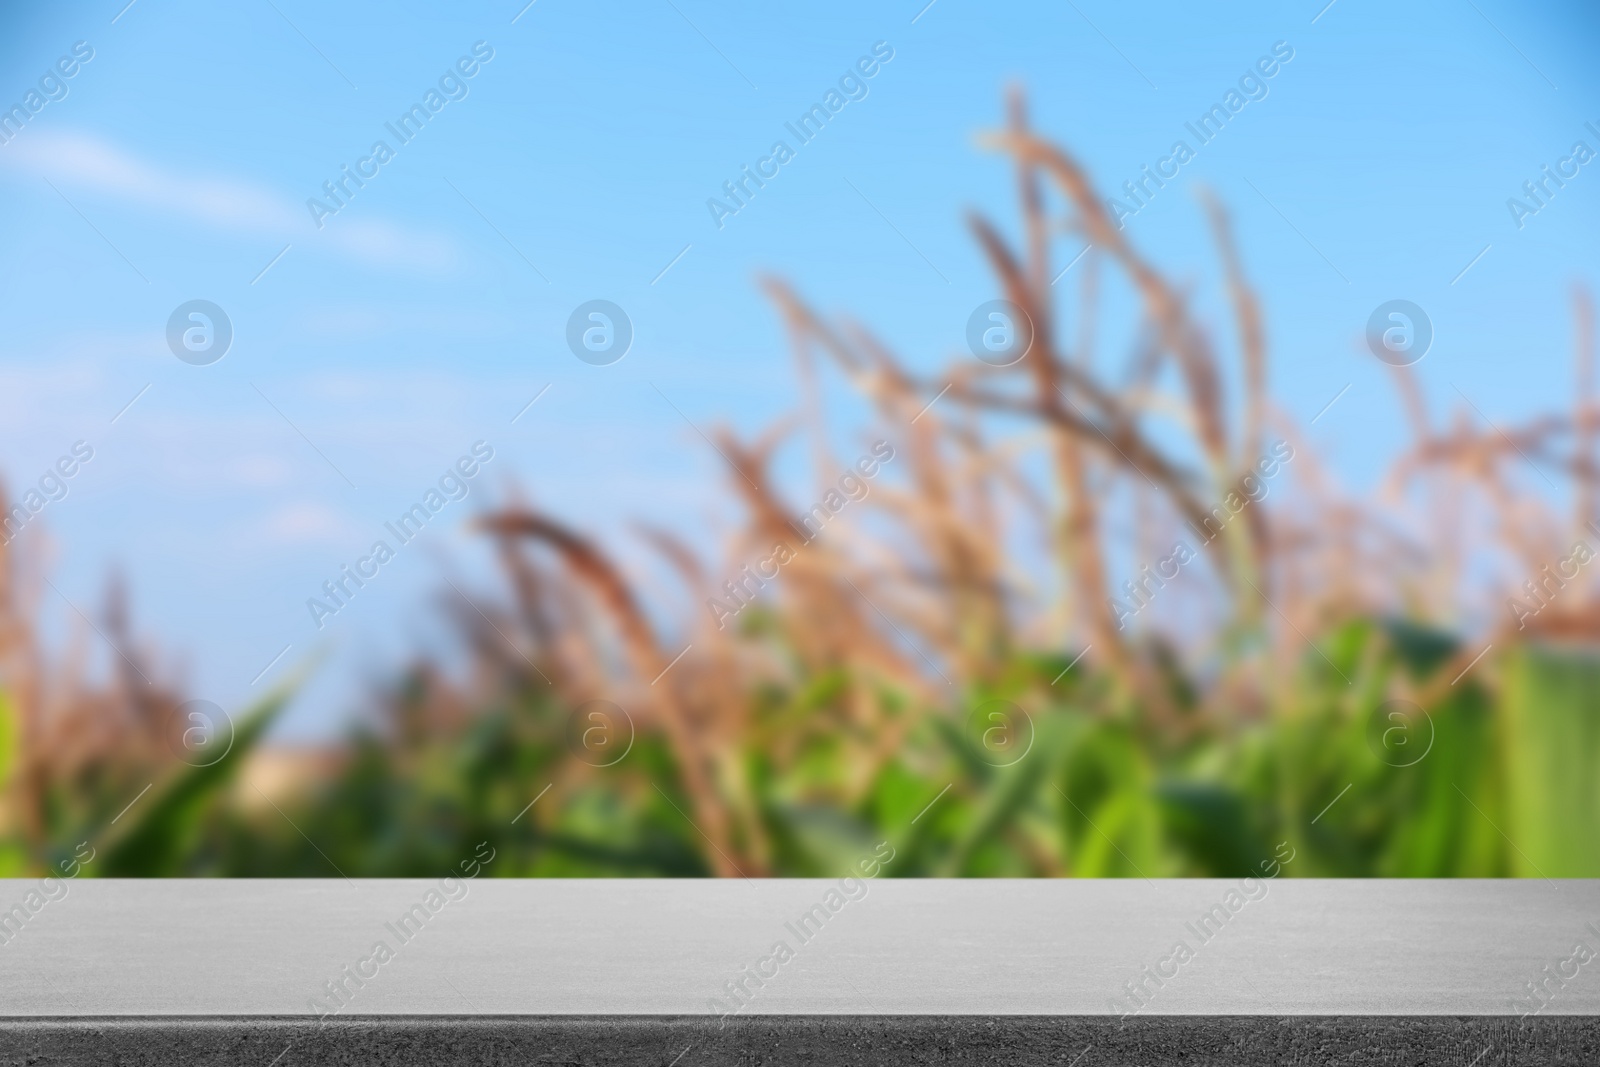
(351, 320)
(85, 162)
(385, 243)
(260, 471)
(307, 522)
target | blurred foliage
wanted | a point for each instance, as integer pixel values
(911, 675)
(1095, 795)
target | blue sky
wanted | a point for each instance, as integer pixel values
(432, 308)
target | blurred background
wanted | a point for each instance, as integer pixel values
(1100, 442)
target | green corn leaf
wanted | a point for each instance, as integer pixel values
(1551, 745)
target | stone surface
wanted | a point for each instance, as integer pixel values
(872, 1041)
(208, 972)
(268, 947)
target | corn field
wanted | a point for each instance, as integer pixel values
(1087, 616)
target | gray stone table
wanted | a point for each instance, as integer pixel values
(877, 971)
